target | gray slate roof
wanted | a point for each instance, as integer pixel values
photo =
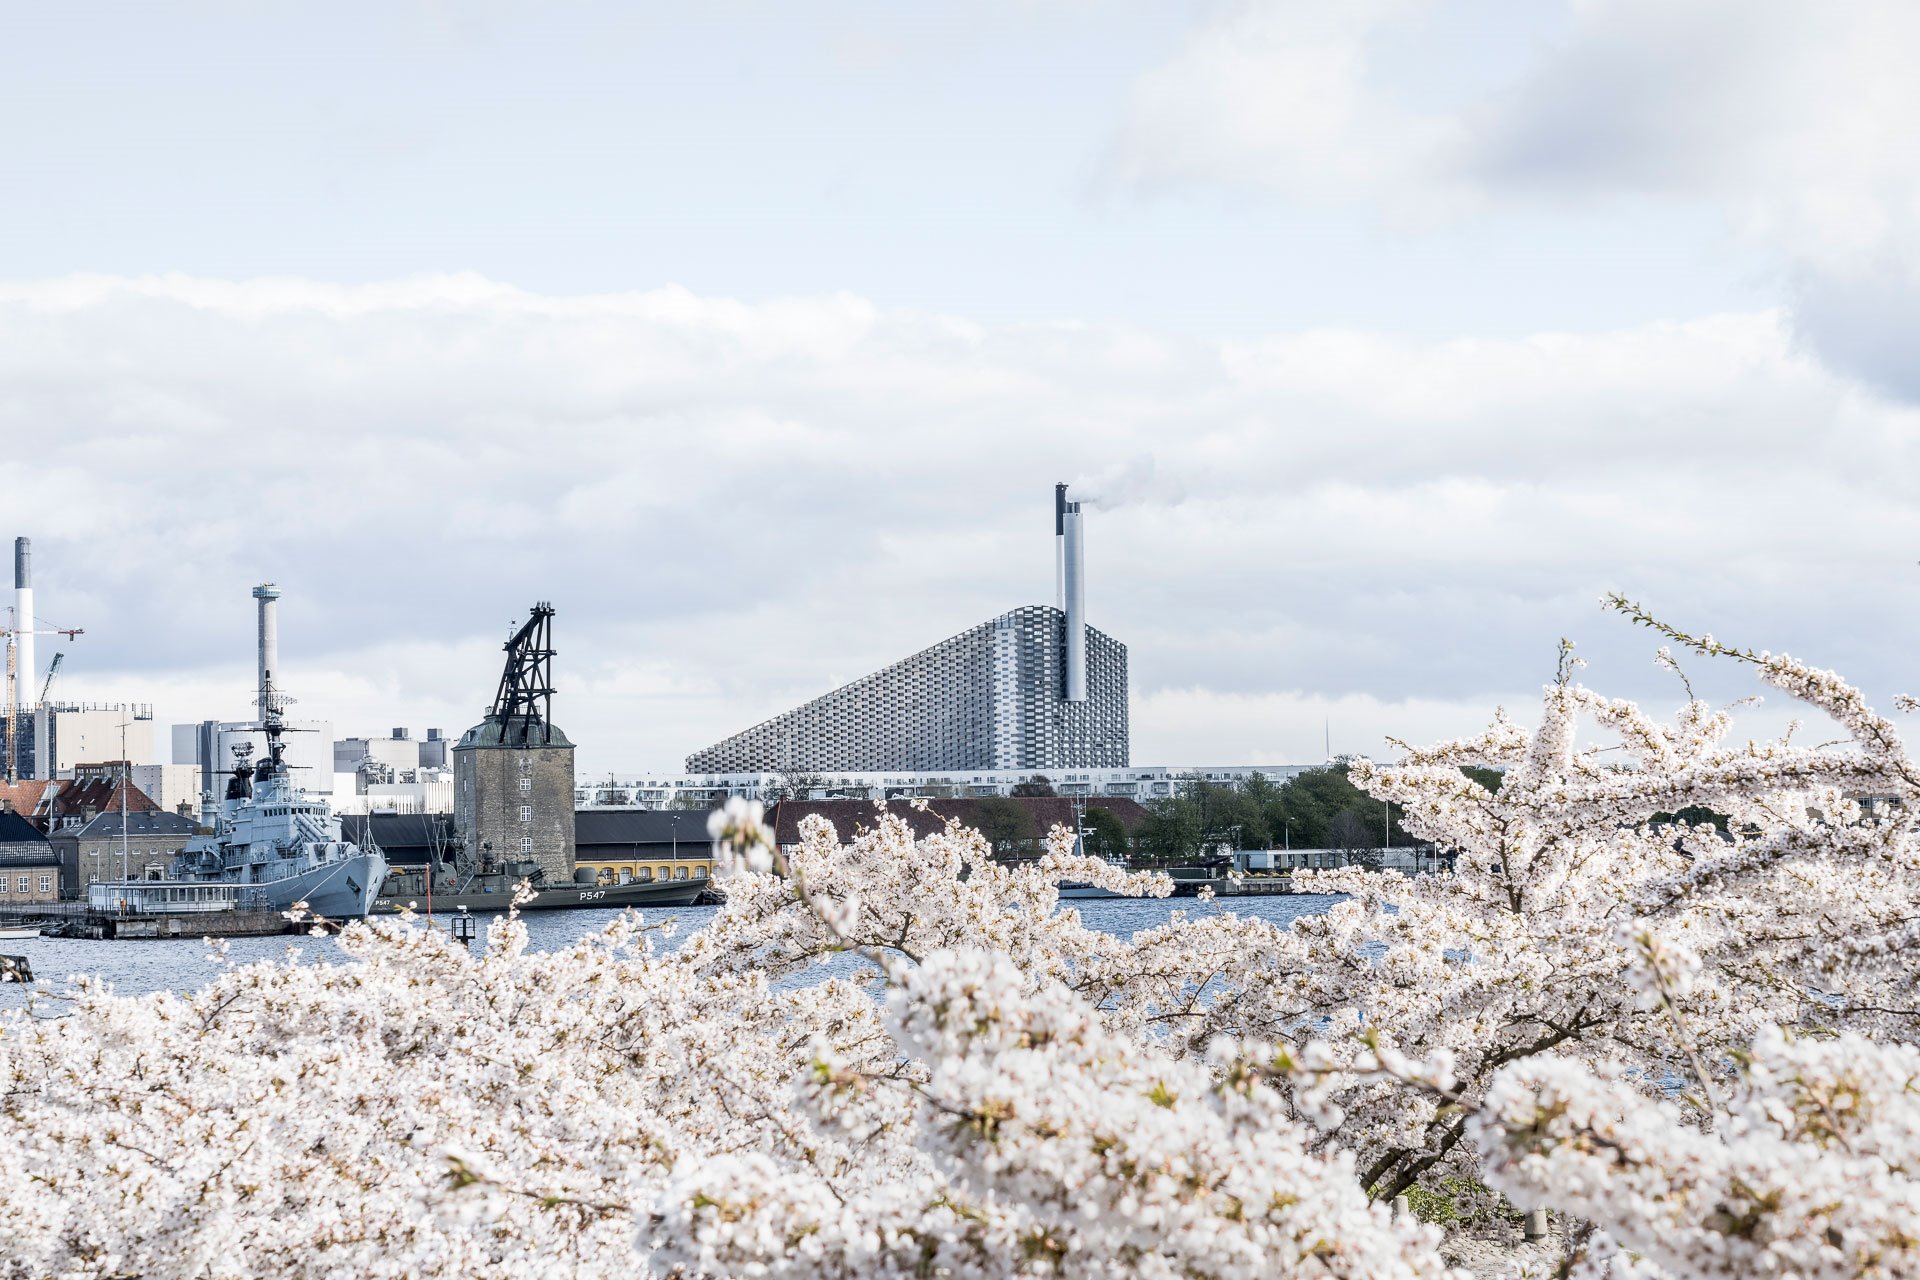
(595, 829)
(493, 732)
(15, 829)
(139, 826)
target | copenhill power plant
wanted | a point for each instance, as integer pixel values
(1035, 688)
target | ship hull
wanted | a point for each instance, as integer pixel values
(342, 890)
(1071, 891)
(656, 893)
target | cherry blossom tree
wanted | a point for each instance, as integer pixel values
(893, 1056)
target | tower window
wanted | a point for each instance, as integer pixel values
(526, 783)
(526, 844)
(526, 813)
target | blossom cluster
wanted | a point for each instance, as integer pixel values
(1693, 1036)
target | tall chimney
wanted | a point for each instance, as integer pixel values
(28, 689)
(1074, 586)
(1059, 547)
(266, 593)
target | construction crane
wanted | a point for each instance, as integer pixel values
(13, 682)
(46, 689)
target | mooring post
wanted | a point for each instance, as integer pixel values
(1401, 1208)
(1536, 1225)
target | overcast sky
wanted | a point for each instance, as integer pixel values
(1386, 337)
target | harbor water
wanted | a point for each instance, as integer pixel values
(135, 967)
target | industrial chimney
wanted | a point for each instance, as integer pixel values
(23, 619)
(1073, 591)
(266, 593)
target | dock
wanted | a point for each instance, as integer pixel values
(163, 909)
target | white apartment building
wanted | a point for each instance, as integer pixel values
(1135, 782)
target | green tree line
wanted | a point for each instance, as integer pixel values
(1317, 809)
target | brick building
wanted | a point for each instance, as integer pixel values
(513, 796)
(29, 868)
(93, 851)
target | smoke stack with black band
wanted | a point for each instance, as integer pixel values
(1073, 590)
(23, 619)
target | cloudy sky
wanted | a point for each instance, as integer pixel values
(1386, 336)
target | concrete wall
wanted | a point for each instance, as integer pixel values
(65, 739)
(518, 800)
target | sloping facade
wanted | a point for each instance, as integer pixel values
(992, 697)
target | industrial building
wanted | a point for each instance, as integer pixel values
(1033, 689)
(46, 739)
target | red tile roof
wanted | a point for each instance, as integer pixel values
(25, 796)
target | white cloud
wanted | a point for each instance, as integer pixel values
(1279, 93)
(733, 503)
(1792, 119)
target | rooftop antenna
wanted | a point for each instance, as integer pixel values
(126, 780)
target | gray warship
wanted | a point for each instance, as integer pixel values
(278, 843)
(272, 837)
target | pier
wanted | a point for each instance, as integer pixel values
(162, 909)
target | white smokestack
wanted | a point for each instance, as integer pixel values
(1060, 547)
(28, 689)
(266, 593)
(1074, 584)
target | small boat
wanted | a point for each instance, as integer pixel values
(1080, 889)
(19, 930)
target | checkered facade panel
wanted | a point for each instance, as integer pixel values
(989, 698)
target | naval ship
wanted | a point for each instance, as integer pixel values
(274, 838)
(493, 887)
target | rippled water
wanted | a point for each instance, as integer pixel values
(135, 966)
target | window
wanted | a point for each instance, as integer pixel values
(526, 783)
(526, 844)
(24, 882)
(46, 884)
(93, 877)
(526, 813)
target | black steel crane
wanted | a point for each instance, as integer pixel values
(526, 683)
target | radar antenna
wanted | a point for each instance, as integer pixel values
(526, 682)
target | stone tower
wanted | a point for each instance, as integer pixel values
(513, 772)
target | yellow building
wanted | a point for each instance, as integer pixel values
(622, 846)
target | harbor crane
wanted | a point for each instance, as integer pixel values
(53, 668)
(13, 682)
